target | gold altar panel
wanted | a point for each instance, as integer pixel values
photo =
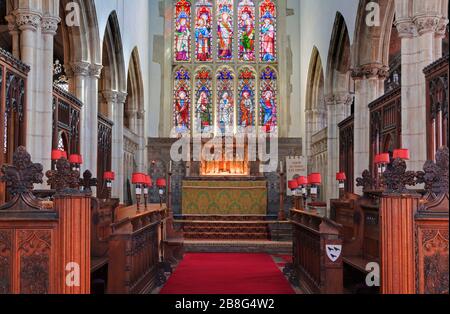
(224, 198)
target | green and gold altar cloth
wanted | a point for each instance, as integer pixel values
(224, 198)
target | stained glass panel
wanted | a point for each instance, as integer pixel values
(182, 36)
(225, 31)
(182, 99)
(268, 101)
(203, 30)
(225, 99)
(246, 18)
(203, 100)
(246, 97)
(268, 35)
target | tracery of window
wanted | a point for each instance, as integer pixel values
(224, 64)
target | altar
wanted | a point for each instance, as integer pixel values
(244, 195)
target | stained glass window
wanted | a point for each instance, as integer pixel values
(225, 99)
(268, 35)
(246, 17)
(268, 100)
(182, 44)
(203, 100)
(225, 29)
(225, 64)
(182, 99)
(246, 96)
(203, 30)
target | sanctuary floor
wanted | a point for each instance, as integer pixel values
(229, 273)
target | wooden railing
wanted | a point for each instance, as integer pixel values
(437, 105)
(104, 154)
(13, 108)
(134, 250)
(317, 270)
(66, 121)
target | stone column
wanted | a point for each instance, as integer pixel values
(116, 101)
(140, 127)
(369, 85)
(337, 111)
(439, 36)
(15, 35)
(418, 37)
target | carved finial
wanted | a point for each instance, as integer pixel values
(366, 181)
(87, 181)
(21, 176)
(396, 178)
(64, 179)
(435, 174)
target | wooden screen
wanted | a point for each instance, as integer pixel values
(66, 121)
(104, 153)
(385, 125)
(437, 106)
(13, 82)
(346, 134)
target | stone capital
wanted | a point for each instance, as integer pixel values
(80, 68)
(370, 71)
(442, 27)
(121, 97)
(27, 20)
(110, 96)
(12, 24)
(340, 98)
(426, 23)
(49, 25)
(406, 27)
(95, 70)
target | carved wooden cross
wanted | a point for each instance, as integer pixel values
(22, 174)
(397, 178)
(64, 179)
(435, 174)
(87, 181)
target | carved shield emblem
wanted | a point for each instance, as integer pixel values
(333, 252)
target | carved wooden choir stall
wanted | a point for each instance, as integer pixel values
(70, 242)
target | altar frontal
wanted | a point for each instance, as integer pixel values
(224, 198)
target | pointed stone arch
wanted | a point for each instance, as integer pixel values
(316, 113)
(134, 104)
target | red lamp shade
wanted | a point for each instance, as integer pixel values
(76, 159)
(315, 178)
(340, 176)
(302, 180)
(109, 175)
(148, 181)
(292, 184)
(161, 183)
(56, 154)
(138, 178)
(382, 159)
(401, 153)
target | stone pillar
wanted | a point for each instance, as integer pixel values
(116, 101)
(419, 49)
(15, 35)
(337, 111)
(140, 127)
(439, 36)
(369, 85)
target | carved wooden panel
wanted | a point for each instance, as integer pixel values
(432, 256)
(34, 252)
(346, 148)
(104, 154)
(5, 261)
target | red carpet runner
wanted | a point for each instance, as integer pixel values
(227, 274)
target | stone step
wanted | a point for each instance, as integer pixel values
(238, 246)
(226, 235)
(226, 229)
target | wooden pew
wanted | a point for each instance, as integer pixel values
(134, 250)
(313, 236)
